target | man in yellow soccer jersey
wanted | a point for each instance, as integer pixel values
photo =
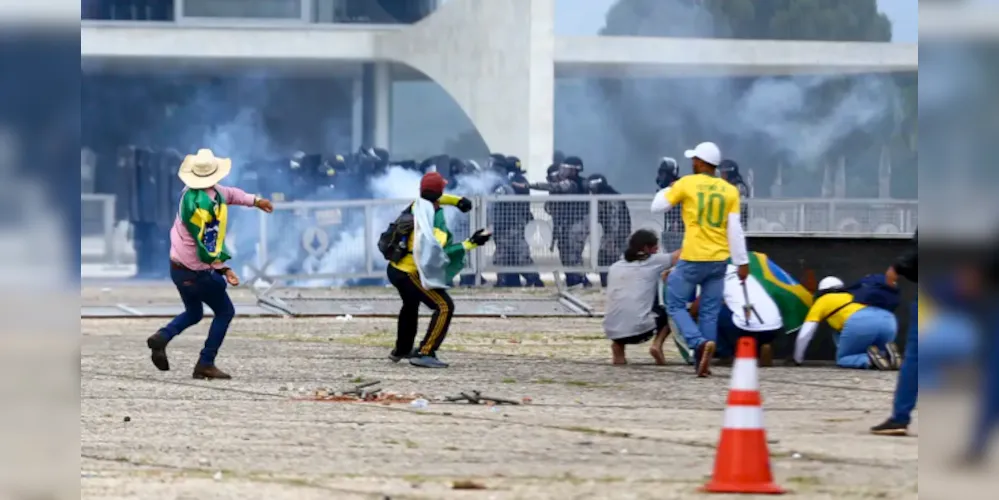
(710, 208)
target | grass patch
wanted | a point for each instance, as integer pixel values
(544, 381)
(804, 480)
(411, 444)
(509, 381)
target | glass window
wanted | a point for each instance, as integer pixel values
(373, 11)
(254, 9)
(127, 10)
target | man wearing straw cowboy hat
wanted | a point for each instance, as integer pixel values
(198, 255)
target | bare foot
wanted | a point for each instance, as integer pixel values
(657, 354)
(617, 354)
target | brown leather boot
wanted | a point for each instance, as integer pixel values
(157, 346)
(202, 372)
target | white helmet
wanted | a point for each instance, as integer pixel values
(830, 282)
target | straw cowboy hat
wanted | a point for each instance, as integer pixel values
(203, 170)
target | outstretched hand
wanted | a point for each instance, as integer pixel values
(264, 204)
(464, 204)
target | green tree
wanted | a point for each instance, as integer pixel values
(653, 116)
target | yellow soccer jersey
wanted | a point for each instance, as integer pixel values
(706, 204)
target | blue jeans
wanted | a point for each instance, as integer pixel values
(681, 287)
(866, 327)
(197, 287)
(951, 339)
(987, 418)
(729, 334)
(907, 389)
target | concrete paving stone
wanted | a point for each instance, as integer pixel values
(591, 431)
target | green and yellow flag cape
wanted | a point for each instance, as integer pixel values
(792, 298)
(205, 218)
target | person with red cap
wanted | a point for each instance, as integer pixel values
(423, 271)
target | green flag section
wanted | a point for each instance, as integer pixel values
(205, 218)
(792, 298)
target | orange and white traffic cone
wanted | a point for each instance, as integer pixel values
(743, 461)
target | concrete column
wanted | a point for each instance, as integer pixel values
(497, 60)
(357, 114)
(383, 105)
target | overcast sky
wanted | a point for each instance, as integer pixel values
(586, 17)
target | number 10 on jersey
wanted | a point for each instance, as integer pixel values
(712, 210)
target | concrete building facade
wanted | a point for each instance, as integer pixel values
(497, 59)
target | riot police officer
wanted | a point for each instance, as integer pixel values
(569, 219)
(152, 191)
(509, 220)
(669, 172)
(729, 170)
(614, 219)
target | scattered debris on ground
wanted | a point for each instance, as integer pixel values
(467, 485)
(369, 392)
(362, 393)
(476, 397)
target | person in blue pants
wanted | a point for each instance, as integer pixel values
(907, 390)
(713, 236)
(987, 418)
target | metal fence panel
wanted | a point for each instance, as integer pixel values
(97, 220)
(334, 242)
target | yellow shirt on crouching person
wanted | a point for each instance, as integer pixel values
(834, 308)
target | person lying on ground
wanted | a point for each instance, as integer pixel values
(633, 313)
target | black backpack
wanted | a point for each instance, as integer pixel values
(393, 242)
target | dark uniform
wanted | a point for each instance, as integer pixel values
(729, 170)
(509, 221)
(569, 219)
(673, 229)
(150, 189)
(615, 220)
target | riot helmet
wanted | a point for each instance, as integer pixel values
(669, 172)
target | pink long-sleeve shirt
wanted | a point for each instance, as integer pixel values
(183, 249)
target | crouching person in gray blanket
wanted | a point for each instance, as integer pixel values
(633, 313)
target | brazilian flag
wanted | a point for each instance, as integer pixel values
(205, 219)
(792, 298)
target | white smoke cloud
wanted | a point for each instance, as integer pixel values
(622, 127)
(347, 253)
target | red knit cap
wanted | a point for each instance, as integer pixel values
(432, 182)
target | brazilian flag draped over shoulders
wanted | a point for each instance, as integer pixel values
(205, 218)
(792, 298)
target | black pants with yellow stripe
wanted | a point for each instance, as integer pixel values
(413, 294)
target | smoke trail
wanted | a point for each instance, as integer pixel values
(347, 251)
(622, 127)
